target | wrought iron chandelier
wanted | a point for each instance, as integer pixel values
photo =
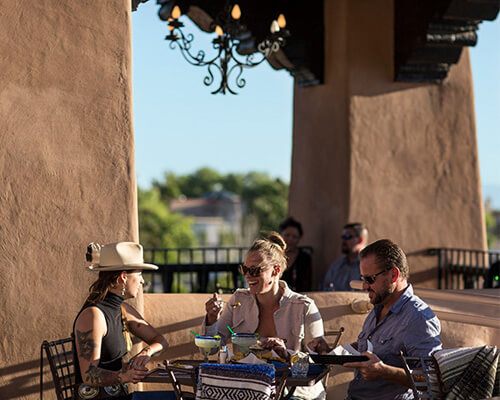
(234, 45)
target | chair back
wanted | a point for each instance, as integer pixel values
(335, 335)
(281, 374)
(59, 353)
(182, 393)
(421, 371)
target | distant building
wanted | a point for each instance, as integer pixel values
(217, 216)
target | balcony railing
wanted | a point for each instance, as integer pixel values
(466, 269)
(195, 269)
(209, 269)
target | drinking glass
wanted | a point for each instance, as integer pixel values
(207, 343)
(244, 341)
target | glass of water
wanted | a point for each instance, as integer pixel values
(300, 368)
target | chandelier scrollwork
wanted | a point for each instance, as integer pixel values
(232, 53)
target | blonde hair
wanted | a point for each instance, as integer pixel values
(272, 248)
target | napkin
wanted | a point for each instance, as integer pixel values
(251, 359)
(345, 350)
(348, 350)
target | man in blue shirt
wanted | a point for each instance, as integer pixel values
(400, 321)
(346, 268)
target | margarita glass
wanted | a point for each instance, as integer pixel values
(244, 340)
(207, 343)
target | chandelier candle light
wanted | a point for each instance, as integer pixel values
(233, 45)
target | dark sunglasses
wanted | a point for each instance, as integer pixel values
(347, 236)
(370, 279)
(253, 271)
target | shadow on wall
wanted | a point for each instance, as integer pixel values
(19, 380)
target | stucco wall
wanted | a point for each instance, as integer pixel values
(400, 157)
(66, 167)
(176, 314)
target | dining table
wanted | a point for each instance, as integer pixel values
(160, 375)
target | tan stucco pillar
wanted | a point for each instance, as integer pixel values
(67, 174)
(400, 157)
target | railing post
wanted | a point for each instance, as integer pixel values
(440, 273)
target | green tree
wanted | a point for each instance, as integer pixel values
(158, 227)
(169, 188)
(266, 199)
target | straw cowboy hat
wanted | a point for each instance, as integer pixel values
(119, 256)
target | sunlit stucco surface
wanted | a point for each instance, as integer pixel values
(67, 167)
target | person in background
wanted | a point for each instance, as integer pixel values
(298, 273)
(102, 327)
(346, 268)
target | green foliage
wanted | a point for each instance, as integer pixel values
(158, 227)
(178, 285)
(227, 239)
(266, 198)
(491, 228)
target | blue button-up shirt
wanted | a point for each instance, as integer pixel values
(340, 274)
(409, 326)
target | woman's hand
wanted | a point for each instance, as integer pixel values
(213, 308)
(140, 359)
(319, 345)
(276, 344)
(130, 374)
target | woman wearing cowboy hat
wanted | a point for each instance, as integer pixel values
(101, 328)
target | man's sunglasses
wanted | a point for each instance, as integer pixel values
(370, 279)
(347, 236)
(253, 271)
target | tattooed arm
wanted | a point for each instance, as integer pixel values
(142, 329)
(90, 328)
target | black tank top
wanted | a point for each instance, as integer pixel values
(113, 346)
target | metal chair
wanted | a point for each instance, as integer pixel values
(421, 371)
(280, 381)
(60, 356)
(337, 334)
(180, 393)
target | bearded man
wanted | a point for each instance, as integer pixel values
(399, 321)
(346, 268)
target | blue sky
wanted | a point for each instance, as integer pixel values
(179, 126)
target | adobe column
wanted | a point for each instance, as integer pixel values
(400, 157)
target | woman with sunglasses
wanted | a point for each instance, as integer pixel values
(285, 320)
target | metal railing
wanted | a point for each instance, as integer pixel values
(195, 269)
(464, 268)
(209, 269)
